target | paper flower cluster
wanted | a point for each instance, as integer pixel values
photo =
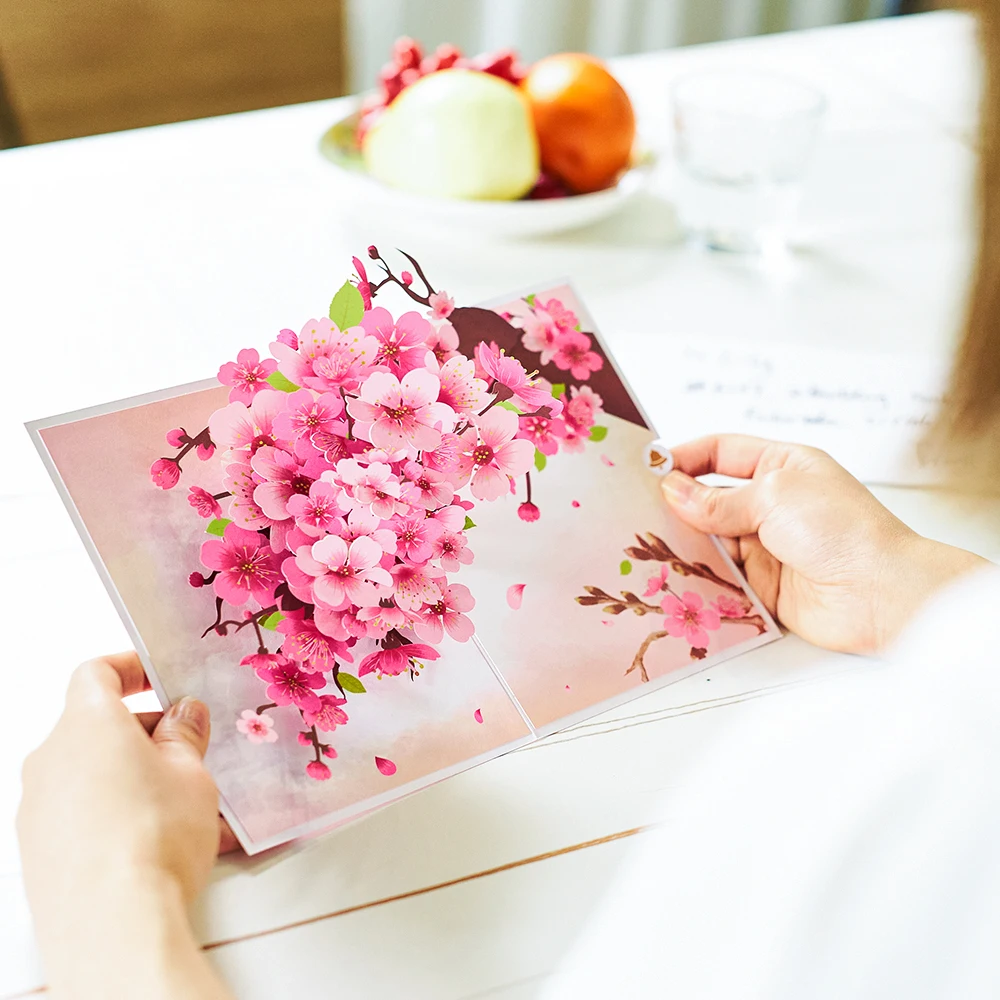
(353, 458)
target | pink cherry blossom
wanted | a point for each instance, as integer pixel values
(289, 337)
(326, 750)
(247, 428)
(290, 685)
(515, 595)
(452, 517)
(317, 770)
(364, 286)
(406, 277)
(528, 511)
(729, 606)
(657, 582)
(247, 375)
(260, 661)
(402, 343)
(581, 411)
(416, 537)
(374, 487)
(394, 414)
(446, 615)
(425, 488)
(688, 618)
(415, 585)
(442, 305)
(446, 458)
(495, 453)
(443, 343)
(329, 715)
(397, 660)
(205, 451)
(344, 572)
(508, 373)
(573, 354)
(361, 522)
(327, 358)
(451, 549)
(203, 502)
(382, 618)
(543, 433)
(256, 728)
(243, 510)
(177, 438)
(282, 477)
(543, 326)
(245, 565)
(304, 642)
(563, 318)
(165, 473)
(304, 415)
(460, 389)
(317, 511)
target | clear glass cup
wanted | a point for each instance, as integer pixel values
(744, 139)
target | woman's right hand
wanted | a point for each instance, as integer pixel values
(822, 553)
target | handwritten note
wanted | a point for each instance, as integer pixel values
(867, 410)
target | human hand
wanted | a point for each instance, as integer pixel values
(821, 552)
(119, 830)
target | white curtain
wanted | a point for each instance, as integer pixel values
(603, 27)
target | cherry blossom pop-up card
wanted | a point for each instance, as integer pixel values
(395, 547)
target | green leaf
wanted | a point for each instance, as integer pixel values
(598, 433)
(218, 526)
(347, 306)
(271, 621)
(350, 683)
(278, 381)
(540, 460)
(469, 523)
(626, 567)
(507, 405)
(530, 299)
(558, 389)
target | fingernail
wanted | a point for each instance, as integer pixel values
(658, 458)
(678, 488)
(191, 712)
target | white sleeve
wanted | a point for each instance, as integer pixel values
(844, 841)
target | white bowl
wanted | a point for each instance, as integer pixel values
(505, 219)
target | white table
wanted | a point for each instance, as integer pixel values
(138, 260)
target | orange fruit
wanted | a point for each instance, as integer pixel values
(583, 118)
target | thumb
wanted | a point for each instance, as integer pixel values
(184, 729)
(728, 511)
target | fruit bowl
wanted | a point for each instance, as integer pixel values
(492, 219)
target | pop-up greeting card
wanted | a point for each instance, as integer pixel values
(395, 548)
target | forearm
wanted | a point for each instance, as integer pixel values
(131, 939)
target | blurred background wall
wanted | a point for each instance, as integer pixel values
(79, 67)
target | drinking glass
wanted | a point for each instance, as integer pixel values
(744, 139)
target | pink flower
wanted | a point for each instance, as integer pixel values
(528, 511)
(327, 750)
(327, 358)
(446, 615)
(282, 478)
(262, 661)
(451, 549)
(426, 488)
(256, 728)
(247, 375)
(657, 582)
(393, 414)
(288, 685)
(374, 488)
(405, 277)
(303, 415)
(446, 458)
(542, 432)
(203, 502)
(729, 607)
(245, 565)
(317, 511)
(544, 325)
(165, 473)
(415, 585)
(687, 618)
(460, 388)
(416, 537)
(177, 438)
(582, 409)
(304, 642)
(509, 373)
(364, 287)
(361, 522)
(401, 343)
(344, 572)
(246, 429)
(329, 715)
(380, 619)
(495, 453)
(318, 770)
(573, 354)
(288, 337)
(441, 305)
(395, 661)
(443, 343)
(196, 579)
(564, 319)
(205, 451)
(241, 482)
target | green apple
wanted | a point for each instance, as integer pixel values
(456, 133)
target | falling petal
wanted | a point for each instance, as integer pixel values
(385, 766)
(515, 594)
(606, 621)
(607, 461)
(478, 715)
(567, 687)
(576, 503)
